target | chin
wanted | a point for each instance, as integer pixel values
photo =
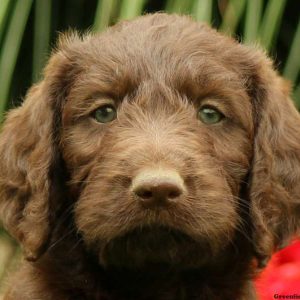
(154, 246)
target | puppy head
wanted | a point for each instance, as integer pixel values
(170, 138)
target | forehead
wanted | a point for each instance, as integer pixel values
(171, 50)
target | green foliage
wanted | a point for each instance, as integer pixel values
(11, 46)
(271, 22)
(131, 8)
(103, 14)
(292, 66)
(4, 6)
(42, 21)
(232, 15)
(252, 21)
(202, 10)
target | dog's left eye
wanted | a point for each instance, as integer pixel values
(209, 115)
(105, 113)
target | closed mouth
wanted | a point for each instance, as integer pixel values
(153, 245)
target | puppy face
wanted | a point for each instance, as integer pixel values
(157, 123)
(167, 119)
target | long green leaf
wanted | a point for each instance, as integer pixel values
(292, 66)
(179, 6)
(10, 50)
(253, 15)
(296, 96)
(173, 5)
(202, 10)
(271, 22)
(42, 24)
(4, 7)
(131, 9)
(103, 14)
(232, 16)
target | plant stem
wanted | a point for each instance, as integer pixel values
(10, 49)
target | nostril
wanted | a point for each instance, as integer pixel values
(174, 193)
(143, 193)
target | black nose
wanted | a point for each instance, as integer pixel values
(157, 187)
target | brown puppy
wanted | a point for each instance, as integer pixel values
(157, 160)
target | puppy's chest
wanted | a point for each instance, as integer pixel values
(173, 290)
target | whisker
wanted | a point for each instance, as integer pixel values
(61, 238)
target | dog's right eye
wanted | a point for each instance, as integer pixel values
(105, 113)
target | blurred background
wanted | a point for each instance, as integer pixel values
(29, 28)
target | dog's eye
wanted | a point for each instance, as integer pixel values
(209, 115)
(105, 113)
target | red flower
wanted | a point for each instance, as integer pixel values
(282, 275)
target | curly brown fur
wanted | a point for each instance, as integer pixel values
(68, 183)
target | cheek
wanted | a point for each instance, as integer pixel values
(81, 141)
(81, 145)
(234, 151)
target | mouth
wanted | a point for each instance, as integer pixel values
(152, 246)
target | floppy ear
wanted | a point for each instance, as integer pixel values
(26, 154)
(31, 169)
(275, 178)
